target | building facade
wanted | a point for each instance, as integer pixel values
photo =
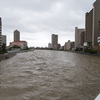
(96, 25)
(54, 41)
(82, 38)
(89, 27)
(21, 44)
(69, 45)
(0, 33)
(16, 35)
(4, 39)
(49, 45)
(78, 33)
(17, 43)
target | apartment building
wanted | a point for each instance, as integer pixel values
(89, 27)
(54, 41)
(16, 35)
(96, 25)
(78, 36)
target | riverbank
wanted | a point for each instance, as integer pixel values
(11, 54)
(85, 53)
(6, 56)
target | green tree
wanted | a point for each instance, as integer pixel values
(3, 50)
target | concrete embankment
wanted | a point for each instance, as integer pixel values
(10, 54)
(7, 55)
(85, 53)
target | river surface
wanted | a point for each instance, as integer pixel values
(50, 75)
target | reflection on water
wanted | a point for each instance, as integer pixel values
(50, 75)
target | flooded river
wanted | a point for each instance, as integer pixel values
(50, 75)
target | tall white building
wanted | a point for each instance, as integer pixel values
(16, 35)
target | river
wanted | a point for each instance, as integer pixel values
(50, 75)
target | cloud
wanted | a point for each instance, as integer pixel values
(38, 19)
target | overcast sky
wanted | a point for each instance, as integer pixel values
(38, 19)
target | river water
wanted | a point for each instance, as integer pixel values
(50, 75)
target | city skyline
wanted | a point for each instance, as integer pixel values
(37, 20)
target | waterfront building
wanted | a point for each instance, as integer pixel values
(17, 42)
(82, 38)
(58, 46)
(73, 45)
(4, 39)
(49, 45)
(78, 33)
(69, 45)
(89, 27)
(16, 35)
(96, 25)
(21, 44)
(61, 48)
(54, 41)
(0, 33)
(92, 27)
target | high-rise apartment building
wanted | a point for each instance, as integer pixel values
(0, 33)
(78, 35)
(89, 27)
(92, 26)
(54, 41)
(96, 25)
(16, 35)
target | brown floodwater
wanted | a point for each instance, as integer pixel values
(50, 75)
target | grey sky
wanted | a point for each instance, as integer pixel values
(38, 19)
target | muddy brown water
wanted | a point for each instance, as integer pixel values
(50, 75)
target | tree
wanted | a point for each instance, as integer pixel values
(3, 50)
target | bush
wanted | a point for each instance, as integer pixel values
(79, 49)
(15, 46)
(91, 51)
(26, 48)
(2, 52)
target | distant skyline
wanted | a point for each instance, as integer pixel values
(37, 20)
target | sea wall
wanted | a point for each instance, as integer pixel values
(7, 56)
